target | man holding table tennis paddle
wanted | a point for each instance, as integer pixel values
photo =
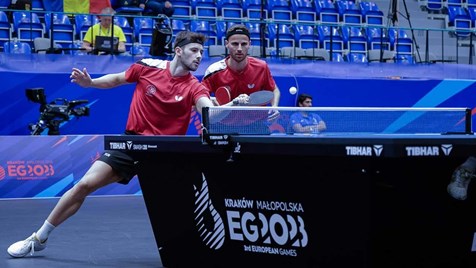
(240, 74)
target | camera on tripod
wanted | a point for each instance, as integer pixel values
(54, 113)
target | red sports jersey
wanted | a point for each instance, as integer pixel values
(255, 77)
(161, 104)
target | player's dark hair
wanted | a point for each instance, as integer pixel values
(237, 29)
(302, 97)
(186, 37)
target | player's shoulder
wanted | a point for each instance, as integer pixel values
(256, 62)
(154, 63)
(215, 68)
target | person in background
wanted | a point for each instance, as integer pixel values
(158, 7)
(162, 102)
(461, 177)
(239, 72)
(304, 121)
(104, 28)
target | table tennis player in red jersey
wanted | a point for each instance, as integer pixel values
(238, 72)
(163, 98)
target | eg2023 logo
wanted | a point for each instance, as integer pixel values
(28, 169)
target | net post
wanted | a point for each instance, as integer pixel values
(468, 121)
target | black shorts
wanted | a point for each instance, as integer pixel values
(123, 164)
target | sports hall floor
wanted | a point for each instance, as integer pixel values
(112, 231)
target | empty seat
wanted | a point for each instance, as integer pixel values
(330, 38)
(221, 28)
(354, 39)
(59, 27)
(279, 10)
(182, 9)
(44, 46)
(230, 9)
(357, 57)
(459, 20)
(327, 11)
(216, 51)
(306, 36)
(252, 9)
(349, 12)
(304, 10)
(400, 41)
(27, 26)
(143, 29)
(371, 13)
(204, 8)
(255, 34)
(5, 28)
(16, 47)
(280, 35)
(206, 28)
(377, 38)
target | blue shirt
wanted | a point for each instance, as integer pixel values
(307, 119)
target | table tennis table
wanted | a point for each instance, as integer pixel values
(328, 200)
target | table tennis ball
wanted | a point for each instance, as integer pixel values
(292, 90)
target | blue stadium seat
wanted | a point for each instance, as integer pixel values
(354, 39)
(357, 57)
(371, 13)
(400, 41)
(327, 11)
(456, 3)
(377, 38)
(135, 10)
(207, 29)
(330, 37)
(252, 9)
(230, 9)
(182, 9)
(16, 47)
(5, 28)
(337, 57)
(306, 36)
(83, 22)
(75, 48)
(349, 12)
(60, 25)
(459, 20)
(255, 34)
(436, 6)
(5, 3)
(204, 8)
(402, 58)
(27, 26)
(281, 35)
(143, 29)
(304, 10)
(279, 10)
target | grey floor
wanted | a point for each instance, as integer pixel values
(111, 231)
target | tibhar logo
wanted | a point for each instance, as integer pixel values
(359, 150)
(117, 145)
(422, 150)
(208, 221)
(378, 149)
(129, 145)
(446, 148)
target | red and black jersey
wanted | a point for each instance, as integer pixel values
(255, 77)
(161, 103)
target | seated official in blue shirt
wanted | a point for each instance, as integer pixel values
(306, 122)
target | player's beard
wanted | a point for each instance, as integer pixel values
(238, 58)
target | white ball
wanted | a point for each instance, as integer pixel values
(292, 90)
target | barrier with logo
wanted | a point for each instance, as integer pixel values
(370, 201)
(47, 166)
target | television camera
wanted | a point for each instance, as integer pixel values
(54, 113)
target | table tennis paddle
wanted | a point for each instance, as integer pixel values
(260, 98)
(223, 95)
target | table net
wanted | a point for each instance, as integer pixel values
(342, 120)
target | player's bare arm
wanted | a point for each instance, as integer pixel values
(82, 78)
